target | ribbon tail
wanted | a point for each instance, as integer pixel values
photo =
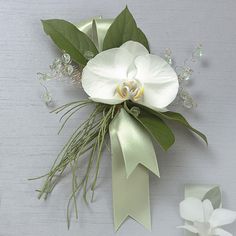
(130, 195)
(94, 34)
(136, 145)
(133, 156)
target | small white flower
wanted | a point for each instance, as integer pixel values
(205, 220)
(130, 72)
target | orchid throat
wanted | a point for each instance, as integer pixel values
(130, 89)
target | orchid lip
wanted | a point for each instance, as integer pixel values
(130, 89)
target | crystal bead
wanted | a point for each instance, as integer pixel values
(169, 60)
(187, 100)
(135, 111)
(55, 63)
(185, 73)
(59, 68)
(184, 95)
(198, 51)
(188, 103)
(88, 55)
(69, 69)
(66, 58)
(47, 98)
(167, 56)
(45, 77)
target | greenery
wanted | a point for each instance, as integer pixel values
(123, 29)
(151, 120)
(214, 195)
(70, 39)
(88, 139)
(155, 126)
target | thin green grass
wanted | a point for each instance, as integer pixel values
(88, 141)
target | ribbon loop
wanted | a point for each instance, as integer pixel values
(96, 29)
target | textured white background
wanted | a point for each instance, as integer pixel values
(28, 133)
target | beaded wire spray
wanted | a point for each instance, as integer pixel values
(61, 69)
(184, 74)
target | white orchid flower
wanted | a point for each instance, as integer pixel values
(130, 72)
(205, 221)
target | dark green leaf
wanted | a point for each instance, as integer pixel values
(172, 116)
(142, 39)
(68, 38)
(123, 29)
(156, 127)
(177, 117)
(214, 195)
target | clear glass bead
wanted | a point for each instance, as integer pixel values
(184, 94)
(66, 58)
(44, 77)
(47, 98)
(168, 56)
(69, 70)
(198, 51)
(186, 73)
(188, 103)
(55, 63)
(135, 111)
(59, 68)
(187, 100)
(88, 55)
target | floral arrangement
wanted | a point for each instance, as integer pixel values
(129, 90)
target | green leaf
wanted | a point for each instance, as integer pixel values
(123, 29)
(142, 39)
(156, 127)
(172, 116)
(177, 117)
(68, 38)
(214, 195)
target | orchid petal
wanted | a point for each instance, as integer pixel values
(189, 228)
(107, 69)
(221, 232)
(107, 101)
(153, 108)
(207, 209)
(191, 209)
(135, 48)
(159, 80)
(203, 228)
(222, 217)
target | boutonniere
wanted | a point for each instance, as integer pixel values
(203, 219)
(129, 90)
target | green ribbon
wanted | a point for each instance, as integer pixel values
(96, 28)
(133, 155)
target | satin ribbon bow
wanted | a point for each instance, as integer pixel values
(133, 154)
